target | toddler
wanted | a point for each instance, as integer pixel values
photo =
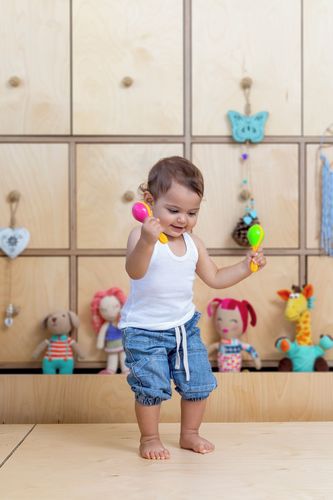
(159, 321)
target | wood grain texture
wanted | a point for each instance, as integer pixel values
(10, 437)
(257, 461)
(35, 48)
(233, 39)
(318, 71)
(240, 397)
(40, 173)
(116, 39)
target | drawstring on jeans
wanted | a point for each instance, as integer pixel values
(181, 337)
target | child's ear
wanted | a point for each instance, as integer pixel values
(148, 198)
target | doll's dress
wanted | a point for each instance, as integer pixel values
(113, 339)
(229, 355)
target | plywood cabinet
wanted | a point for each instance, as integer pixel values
(35, 67)
(128, 67)
(93, 93)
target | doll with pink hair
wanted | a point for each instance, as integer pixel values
(105, 308)
(231, 318)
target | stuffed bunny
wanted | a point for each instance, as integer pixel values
(105, 307)
(60, 346)
(231, 320)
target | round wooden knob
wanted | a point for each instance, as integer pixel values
(129, 196)
(246, 82)
(14, 81)
(127, 81)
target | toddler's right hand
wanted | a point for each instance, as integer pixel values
(151, 230)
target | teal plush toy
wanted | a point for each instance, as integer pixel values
(60, 346)
(302, 354)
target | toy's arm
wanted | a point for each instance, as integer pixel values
(213, 347)
(77, 349)
(326, 342)
(101, 336)
(253, 353)
(40, 348)
(283, 344)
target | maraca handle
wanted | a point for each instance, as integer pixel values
(253, 266)
(163, 238)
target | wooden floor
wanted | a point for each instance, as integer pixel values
(259, 461)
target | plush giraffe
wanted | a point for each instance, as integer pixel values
(302, 354)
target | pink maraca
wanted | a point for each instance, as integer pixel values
(141, 211)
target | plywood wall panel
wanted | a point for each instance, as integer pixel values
(236, 38)
(104, 174)
(39, 286)
(35, 67)
(143, 41)
(273, 170)
(318, 72)
(40, 173)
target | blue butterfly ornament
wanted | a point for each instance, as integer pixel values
(247, 127)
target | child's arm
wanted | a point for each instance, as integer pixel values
(225, 276)
(140, 247)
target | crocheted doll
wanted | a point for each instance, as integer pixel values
(231, 319)
(302, 355)
(105, 308)
(60, 346)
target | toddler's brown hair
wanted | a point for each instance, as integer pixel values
(173, 168)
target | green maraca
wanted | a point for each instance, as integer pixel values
(255, 236)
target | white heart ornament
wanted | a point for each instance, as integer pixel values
(14, 240)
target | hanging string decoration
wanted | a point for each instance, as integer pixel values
(246, 129)
(13, 241)
(326, 206)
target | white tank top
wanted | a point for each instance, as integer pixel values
(163, 298)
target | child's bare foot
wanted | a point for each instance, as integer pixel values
(153, 449)
(194, 442)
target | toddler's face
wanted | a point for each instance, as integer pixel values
(229, 324)
(177, 210)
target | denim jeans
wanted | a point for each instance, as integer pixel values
(151, 357)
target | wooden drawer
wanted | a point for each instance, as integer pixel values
(35, 67)
(141, 42)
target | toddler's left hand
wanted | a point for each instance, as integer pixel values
(257, 257)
